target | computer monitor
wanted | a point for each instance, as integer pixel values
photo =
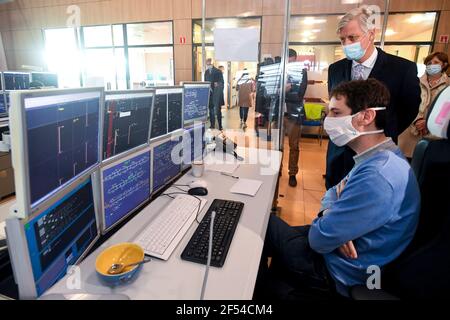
(13, 80)
(125, 187)
(196, 102)
(3, 109)
(58, 236)
(167, 111)
(45, 79)
(194, 144)
(127, 120)
(56, 137)
(167, 161)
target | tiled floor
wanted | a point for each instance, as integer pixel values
(300, 205)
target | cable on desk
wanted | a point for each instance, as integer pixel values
(170, 194)
(208, 263)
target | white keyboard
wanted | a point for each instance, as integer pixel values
(164, 233)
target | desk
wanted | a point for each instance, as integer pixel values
(177, 279)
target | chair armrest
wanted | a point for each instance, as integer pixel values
(363, 293)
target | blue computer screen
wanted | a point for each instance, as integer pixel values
(195, 103)
(60, 235)
(175, 111)
(165, 167)
(125, 187)
(159, 123)
(16, 81)
(2, 103)
(126, 123)
(63, 133)
(194, 143)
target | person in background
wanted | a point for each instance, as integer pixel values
(364, 60)
(246, 92)
(222, 102)
(367, 220)
(295, 92)
(215, 77)
(432, 83)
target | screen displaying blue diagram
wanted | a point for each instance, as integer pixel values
(126, 186)
(196, 101)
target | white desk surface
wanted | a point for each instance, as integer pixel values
(177, 279)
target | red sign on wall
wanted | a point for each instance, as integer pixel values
(443, 38)
(182, 40)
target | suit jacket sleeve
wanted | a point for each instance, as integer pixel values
(330, 85)
(408, 107)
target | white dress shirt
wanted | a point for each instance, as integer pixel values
(361, 71)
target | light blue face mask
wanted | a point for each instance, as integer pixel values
(434, 69)
(355, 51)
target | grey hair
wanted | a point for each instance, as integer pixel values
(364, 16)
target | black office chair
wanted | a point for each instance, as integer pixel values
(423, 270)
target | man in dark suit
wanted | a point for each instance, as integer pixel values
(215, 77)
(364, 61)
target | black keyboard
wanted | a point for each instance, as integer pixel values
(225, 223)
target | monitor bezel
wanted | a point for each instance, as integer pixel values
(186, 166)
(124, 92)
(178, 134)
(21, 265)
(124, 157)
(19, 141)
(192, 84)
(14, 72)
(156, 139)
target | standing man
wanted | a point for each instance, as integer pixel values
(364, 60)
(295, 92)
(215, 77)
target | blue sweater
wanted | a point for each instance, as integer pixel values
(378, 210)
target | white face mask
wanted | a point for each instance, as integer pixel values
(341, 130)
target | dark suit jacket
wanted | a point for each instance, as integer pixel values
(400, 77)
(215, 76)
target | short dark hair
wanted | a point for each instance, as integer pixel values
(442, 56)
(292, 53)
(364, 94)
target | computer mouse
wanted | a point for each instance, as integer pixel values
(199, 191)
(198, 184)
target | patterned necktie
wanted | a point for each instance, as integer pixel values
(358, 72)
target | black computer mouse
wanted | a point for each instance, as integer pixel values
(199, 191)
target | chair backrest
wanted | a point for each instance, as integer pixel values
(423, 270)
(313, 111)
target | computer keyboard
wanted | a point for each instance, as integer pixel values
(163, 234)
(225, 223)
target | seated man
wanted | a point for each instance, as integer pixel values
(367, 220)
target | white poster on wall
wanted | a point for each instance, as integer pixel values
(236, 44)
(3, 64)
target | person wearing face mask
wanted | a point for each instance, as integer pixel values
(368, 219)
(432, 83)
(363, 60)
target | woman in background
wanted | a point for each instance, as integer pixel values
(432, 83)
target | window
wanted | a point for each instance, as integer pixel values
(151, 67)
(408, 35)
(158, 33)
(101, 57)
(63, 56)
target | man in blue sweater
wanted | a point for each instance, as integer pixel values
(367, 220)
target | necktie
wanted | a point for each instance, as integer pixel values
(358, 72)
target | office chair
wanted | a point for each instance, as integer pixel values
(314, 117)
(423, 270)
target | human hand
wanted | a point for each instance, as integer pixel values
(420, 125)
(348, 250)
